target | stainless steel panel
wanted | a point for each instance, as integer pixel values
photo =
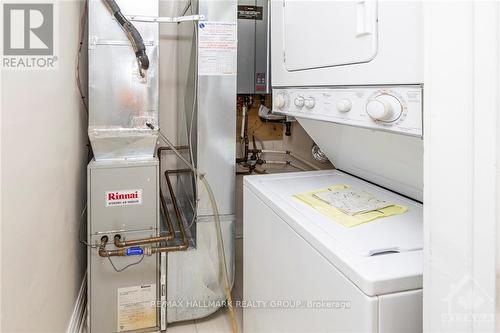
(123, 175)
(131, 222)
(121, 101)
(253, 47)
(262, 50)
(216, 121)
(216, 141)
(195, 274)
(246, 52)
(104, 283)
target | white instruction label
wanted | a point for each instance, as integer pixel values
(124, 198)
(351, 201)
(217, 48)
(136, 307)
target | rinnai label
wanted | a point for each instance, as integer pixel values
(124, 198)
(136, 307)
(217, 47)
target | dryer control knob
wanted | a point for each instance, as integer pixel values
(310, 103)
(299, 102)
(386, 108)
(280, 100)
(344, 105)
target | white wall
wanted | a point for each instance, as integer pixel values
(460, 153)
(43, 138)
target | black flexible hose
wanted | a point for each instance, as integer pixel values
(132, 33)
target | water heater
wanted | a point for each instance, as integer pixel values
(253, 47)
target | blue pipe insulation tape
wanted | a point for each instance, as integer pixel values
(135, 251)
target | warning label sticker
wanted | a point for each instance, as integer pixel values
(217, 48)
(136, 307)
(124, 197)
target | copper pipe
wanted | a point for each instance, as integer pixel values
(109, 253)
(170, 230)
(163, 208)
(134, 242)
(185, 243)
(160, 149)
(166, 217)
(169, 236)
(176, 171)
(152, 250)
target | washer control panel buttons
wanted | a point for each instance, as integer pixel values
(393, 109)
(281, 100)
(344, 105)
(384, 107)
(299, 101)
(310, 102)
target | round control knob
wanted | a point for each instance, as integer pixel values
(280, 100)
(344, 105)
(384, 108)
(310, 103)
(299, 102)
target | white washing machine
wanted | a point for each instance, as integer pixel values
(351, 73)
(306, 273)
(350, 42)
(328, 277)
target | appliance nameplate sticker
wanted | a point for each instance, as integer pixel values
(217, 48)
(124, 198)
(136, 307)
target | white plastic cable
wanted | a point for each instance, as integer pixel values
(300, 159)
(243, 117)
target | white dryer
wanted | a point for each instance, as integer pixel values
(350, 42)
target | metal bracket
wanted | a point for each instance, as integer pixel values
(95, 41)
(157, 19)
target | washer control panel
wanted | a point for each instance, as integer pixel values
(393, 109)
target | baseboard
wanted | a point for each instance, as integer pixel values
(77, 322)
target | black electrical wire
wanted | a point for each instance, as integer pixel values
(83, 23)
(118, 270)
(132, 33)
(80, 239)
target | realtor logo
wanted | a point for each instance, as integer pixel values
(28, 36)
(28, 29)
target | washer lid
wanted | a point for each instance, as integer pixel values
(381, 256)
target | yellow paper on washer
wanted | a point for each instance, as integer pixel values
(338, 216)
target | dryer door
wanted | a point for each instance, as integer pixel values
(329, 33)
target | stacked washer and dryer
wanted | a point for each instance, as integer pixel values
(351, 73)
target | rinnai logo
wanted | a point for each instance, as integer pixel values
(123, 198)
